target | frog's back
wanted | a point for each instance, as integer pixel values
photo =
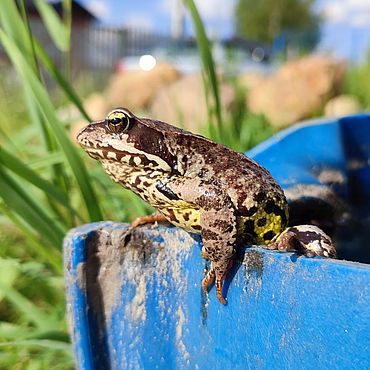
(259, 200)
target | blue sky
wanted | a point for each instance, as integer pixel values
(345, 32)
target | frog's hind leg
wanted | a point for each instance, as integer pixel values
(307, 239)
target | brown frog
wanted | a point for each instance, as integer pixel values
(194, 183)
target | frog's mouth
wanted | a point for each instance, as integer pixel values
(132, 157)
(101, 152)
(90, 141)
(118, 150)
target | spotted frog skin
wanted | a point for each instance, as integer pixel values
(193, 182)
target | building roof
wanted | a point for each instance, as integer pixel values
(78, 11)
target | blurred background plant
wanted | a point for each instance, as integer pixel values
(235, 91)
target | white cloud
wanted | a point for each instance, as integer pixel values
(359, 4)
(354, 13)
(139, 21)
(217, 15)
(361, 20)
(334, 12)
(210, 10)
(99, 8)
(216, 9)
(166, 6)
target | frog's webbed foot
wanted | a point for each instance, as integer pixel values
(217, 274)
(150, 219)
(307, 239)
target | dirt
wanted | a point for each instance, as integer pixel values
(140, 259)
(179, 332)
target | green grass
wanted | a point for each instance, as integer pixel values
(48, 185)
(357, 83)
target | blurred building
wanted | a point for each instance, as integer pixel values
(177, 19)
(82, 19)
(93, 46)
(99, 47)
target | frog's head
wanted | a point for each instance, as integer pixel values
(136, 142)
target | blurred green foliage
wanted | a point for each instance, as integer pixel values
(263, 20)
(357, 83)
(238, 129)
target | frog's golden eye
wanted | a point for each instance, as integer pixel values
(118, 121)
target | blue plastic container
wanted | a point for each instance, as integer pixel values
(141, 306)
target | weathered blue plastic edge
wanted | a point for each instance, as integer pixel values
(77, 306)
(89, 350)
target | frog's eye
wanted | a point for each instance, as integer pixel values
(118, 121)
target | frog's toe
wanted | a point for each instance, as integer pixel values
(283, 242)
(307, 239)
(221, 270)
(208, 279)
(217, 275)
(219, 284)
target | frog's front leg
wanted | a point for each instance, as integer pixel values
(218, 227)
(219, 240)
(149, 219)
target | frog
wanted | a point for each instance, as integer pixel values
(194, 183)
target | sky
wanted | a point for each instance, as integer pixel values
(345, 30)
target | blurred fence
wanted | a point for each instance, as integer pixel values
(101, 48)
(95, 47)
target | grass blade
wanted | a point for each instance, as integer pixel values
(35, 47)
(13, 331)
(209, 71)
(54, 72)
(54, 25)
(9, 271)
(42, 99)
(29, 210)
(52, 257)
(15, 28)
(50, 190)
(46, 161)
(26, 42)
(29, 311)
(16, 166)
(46, 343)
